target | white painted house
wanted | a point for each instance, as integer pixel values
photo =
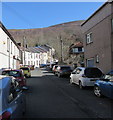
(31, 57)
(9, 50)
(50, 52)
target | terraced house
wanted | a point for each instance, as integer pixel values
(9, 50)
(98, 38)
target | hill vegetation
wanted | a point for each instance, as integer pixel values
(68, 33)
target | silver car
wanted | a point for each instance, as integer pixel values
(12, 99)
(85, 76)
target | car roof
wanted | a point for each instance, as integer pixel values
(24, 67)
(87, 67)
(13, 70)
(83, 68)
(64, 65)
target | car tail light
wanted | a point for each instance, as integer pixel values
(6, 115)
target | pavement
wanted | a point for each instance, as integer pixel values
(52, 97)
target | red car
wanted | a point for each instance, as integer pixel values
(18, 74)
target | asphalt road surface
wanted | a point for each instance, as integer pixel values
(52, 97)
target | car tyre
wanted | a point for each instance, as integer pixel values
(71, 81)
(80, 85)
(97, 91)
(59, 75)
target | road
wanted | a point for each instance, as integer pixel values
(52, 97)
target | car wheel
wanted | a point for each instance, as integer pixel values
(55, 74)
(71, 81)
(80, 85)
(97, 91)
(59, 75)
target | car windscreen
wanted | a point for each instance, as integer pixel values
(12, 73)
(110, 73)
(109, 77)
(24, 68)
(92, 73)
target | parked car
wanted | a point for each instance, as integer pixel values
(42, 65)
(104, 86)
(26, 71)
(18, 74)
(12, 99)
(54, 68)
(2, 70)
(51, 65)
(85, 76)
(63, 70)
(31, 67)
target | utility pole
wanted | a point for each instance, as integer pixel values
(61, 43)
(24, 45)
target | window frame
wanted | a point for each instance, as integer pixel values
(89, 38)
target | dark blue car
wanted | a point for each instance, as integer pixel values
(104, 86)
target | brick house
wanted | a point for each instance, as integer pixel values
(98, 38)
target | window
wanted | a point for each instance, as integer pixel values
(89, 38)
(11, 47)
(90, 62)
(80, 49)
(31, 55)
(8, 45)
(75, 50)
(14, 51)
(112, 25)
(28, 62)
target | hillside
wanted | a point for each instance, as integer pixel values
(69, 33)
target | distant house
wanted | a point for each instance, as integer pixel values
(98, 38)
(50, 52)
(76, 53)
(43, 55)
(76, 48)
(31, 56)
(9, 50)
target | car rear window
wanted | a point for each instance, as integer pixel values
(24, 68)
(65, 68)
(93, 73)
